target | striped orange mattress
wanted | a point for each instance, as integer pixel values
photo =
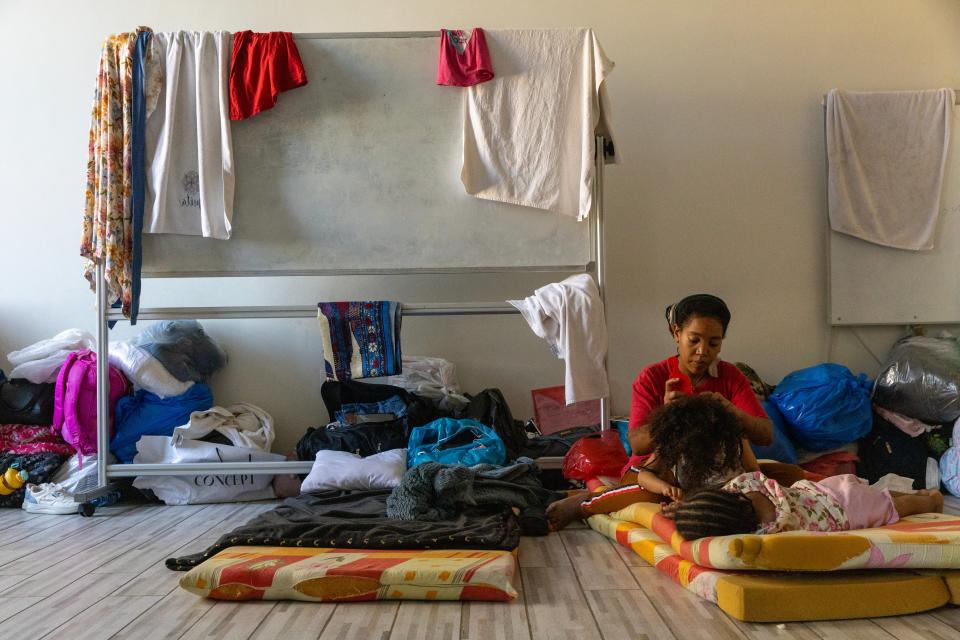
(927, 541)
(351, 575)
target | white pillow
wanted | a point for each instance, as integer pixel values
(345, 470)
(145, 371)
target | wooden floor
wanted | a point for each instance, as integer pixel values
(103, 577)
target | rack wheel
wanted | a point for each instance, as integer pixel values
(86, 509)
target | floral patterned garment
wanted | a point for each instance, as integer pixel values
(803, 506)
(107, 235)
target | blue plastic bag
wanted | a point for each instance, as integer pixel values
(781, 449)
(623, 427)
(825, 406)
(450, 441)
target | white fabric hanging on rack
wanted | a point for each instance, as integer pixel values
(886, 153)
(569, 316)
(189, 152)
(529, 135)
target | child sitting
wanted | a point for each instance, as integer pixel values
(697, 443)
(753, 503)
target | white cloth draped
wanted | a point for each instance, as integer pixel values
(886, 153)
(189, 152)
(529, 134)
(245, 425)
(569, 316)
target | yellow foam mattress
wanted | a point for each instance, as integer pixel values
(784, 597)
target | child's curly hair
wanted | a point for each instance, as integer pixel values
(697, 436)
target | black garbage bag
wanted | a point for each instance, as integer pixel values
(921, 379)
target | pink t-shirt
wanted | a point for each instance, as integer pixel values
(650, 384)
(464, 61)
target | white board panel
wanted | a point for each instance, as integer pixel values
(360, 169)
(871, 284)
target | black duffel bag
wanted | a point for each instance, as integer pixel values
(420, 411)
(25, 402)
(361, 439)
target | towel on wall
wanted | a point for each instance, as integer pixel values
(886, 153)
(360, 339)
(189, 151)
(569, 316)
(529, 134)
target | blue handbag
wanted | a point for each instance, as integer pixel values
(450, 441)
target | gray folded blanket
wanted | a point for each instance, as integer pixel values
(432, 491)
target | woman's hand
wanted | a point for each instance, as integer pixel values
(759, 431)
(672, 390)
(719, 397)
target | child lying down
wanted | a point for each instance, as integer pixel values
(699, 468)
(753, 503)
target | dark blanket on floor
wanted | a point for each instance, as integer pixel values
(358, 520)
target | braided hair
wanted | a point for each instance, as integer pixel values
(698, 438)
(715, 512)
(700, 304)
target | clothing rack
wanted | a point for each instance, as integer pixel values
(105, 315)
(956, 98)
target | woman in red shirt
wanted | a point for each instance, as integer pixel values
(698, 324)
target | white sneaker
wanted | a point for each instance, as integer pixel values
(48, 498)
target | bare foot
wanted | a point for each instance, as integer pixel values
(563, 512)
(286, 485)
(937, 500)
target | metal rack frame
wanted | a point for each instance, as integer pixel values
(106, 314)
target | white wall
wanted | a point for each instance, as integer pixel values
(721, 189)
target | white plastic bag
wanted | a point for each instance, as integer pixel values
(204, 487)
(40, 361)
(70, 478)
(433, 378)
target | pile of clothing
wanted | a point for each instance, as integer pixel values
(398, 470)
(31, 450)
(160, 152)
(161, 409)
